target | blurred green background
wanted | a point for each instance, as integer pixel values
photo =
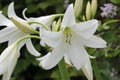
(107, 60)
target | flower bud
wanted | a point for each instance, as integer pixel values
(57, 26)
(78, 7)
(83, 18)
(23, 26)
(88, 11)
(93, 8)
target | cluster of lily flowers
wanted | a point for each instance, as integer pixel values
(67, 38)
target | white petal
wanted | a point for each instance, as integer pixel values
(47, 20)
(5, 34)
(8, 59)
(87, 28)
(52, 59)
(21, 44)
(16, 35)
(67, 60)
(5, 21)
(76, 53)
(23, 13)
(44, 57)
(43, 19)
(51, 38)
(11, 64)
(87, 69)
(68, 17)
(6, 52)
(11, 11)
(94, 42)
(31, 48)
(42, 43)
(92, 57)
(3, 66)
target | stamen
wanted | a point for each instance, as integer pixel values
(68, 35)
(68, 38)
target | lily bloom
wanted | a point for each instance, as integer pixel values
(11, 32)
(70, 42)
(8, 60)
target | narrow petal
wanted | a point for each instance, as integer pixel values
(52, 59)
(23, 13)
(87, 69)
(47, 20)
(68, 17)
(42, 43)
(87, 28)
(31, 48)
(5, 21)
(6, 52)
(11, 11)
(5, 58)
(16, 35)
(76, 52)
(5, 34)
(94, 42)
(11, 64)
(51, 38)
(44, 57)
(3, 66)
(44, 19)
(8, 60)
(67, 59)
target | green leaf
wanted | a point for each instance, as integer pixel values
(110, 22)
(115, 1)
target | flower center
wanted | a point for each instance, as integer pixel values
(68, 35)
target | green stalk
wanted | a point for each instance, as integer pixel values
(63, 70)
(26, 37)
(96, 70)
(45, 26)
(34, 21)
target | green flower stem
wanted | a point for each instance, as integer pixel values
(38, 22)
(63, 70)
(26, 37)
(34, 21)
(96, 70)
(58, 15)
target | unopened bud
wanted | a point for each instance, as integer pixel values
(88, 11)
(24, 26)
(93, 8)
(78, 7)
(57, 26)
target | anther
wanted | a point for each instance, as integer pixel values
(68, 38)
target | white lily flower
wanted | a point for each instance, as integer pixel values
(8, 60)
(70, 41)
(47, 20)
(9, 57)
(11, 33)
